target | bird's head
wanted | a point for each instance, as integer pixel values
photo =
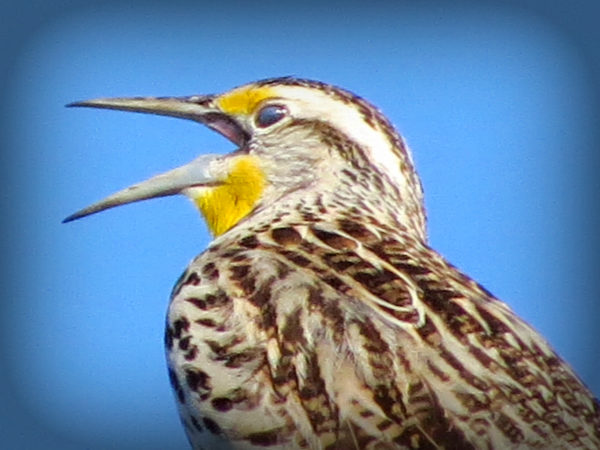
(295, 138)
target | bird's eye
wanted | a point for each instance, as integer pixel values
(270, 115)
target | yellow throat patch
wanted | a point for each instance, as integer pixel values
(229, 202)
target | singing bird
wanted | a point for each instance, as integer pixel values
(319, 317)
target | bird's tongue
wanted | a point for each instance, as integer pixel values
(226, 127)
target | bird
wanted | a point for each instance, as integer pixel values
(319, 317)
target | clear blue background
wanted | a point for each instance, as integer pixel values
(499, 103)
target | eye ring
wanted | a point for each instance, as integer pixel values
(269, 115)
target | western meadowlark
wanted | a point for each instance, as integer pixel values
(319, 317)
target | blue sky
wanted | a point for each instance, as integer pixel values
(497, 103)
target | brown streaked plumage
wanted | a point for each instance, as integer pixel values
(319, 317)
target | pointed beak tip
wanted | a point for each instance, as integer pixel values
(94, 103)
(70, 218)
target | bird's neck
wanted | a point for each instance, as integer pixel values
(334, 205)
(332, 194)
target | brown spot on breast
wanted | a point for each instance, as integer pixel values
(222, 404)
(238, 359)
(435, 427)
(413, 438)
(335, 283)
(196, 424)
(341, 262)
(390, 401)
(210, 271)
(292, 331)
(509, 428)
(496, 326)
(249, 242)
(197, 379)
(314, 397)
(481, 356)
(539, 431)
(264, 438)
(366, 413)
(180, 325)
(437, 371)
(262, 296)
(184, 343)
(209, 323)
(473, 403)
(268, 316)
(240, 274)
(334, 240)
(464, 373)
(191, 353)
(192, 279)
(440, 299)
(240, 271)
(233, 359)
(286, 236)
(211, 425)
(294, 257)
(357, 230)
(411, 269)
(385, 424)
(350, 174)
(429, 332)
(331, 311)
(218, 348)
(216, 300)
(373, 279)
(197, 302)
(373, 341)
(308, 216)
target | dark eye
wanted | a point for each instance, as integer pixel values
(269, 115)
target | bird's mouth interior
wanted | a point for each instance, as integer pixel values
(227, 127)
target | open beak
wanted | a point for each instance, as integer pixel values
(197, 173)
